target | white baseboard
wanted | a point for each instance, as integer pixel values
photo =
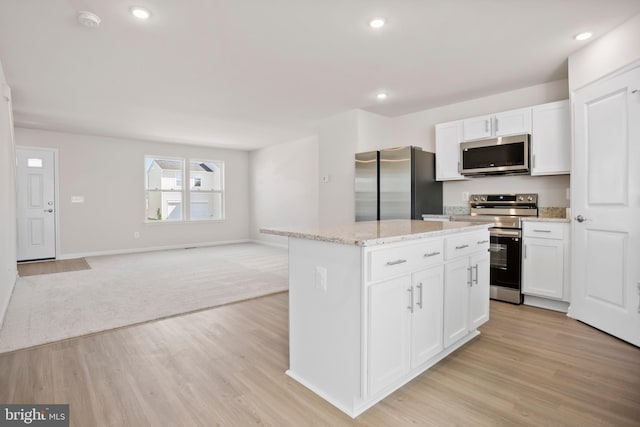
(3, 310)
(269, 243)
(549, 304)
(151, 249)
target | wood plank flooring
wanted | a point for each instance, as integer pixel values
(225, 367)
(48, 267)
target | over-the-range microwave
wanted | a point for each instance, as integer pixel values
(495, 156)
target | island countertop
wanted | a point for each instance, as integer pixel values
(371, 233)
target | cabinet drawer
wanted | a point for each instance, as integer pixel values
(429, 253)
(389, 262)
(548, 230)
(457, 246)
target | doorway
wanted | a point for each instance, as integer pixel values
(36, 172)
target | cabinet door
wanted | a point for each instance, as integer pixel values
(389, 335)
(448, 138)
(456, 300)
(426, 326)
(513, 122)
(551, 139)
(477, 128)
(479, 290)
(543, 267)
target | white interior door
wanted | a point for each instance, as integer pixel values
(605, 185)
(35, 184)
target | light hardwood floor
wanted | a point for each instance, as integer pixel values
(48, 267)
(225, 366)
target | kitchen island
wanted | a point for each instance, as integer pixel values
(374, 304)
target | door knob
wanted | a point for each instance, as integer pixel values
(580, 218)
(48, 210)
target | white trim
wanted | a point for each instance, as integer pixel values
(3, 310)
(56, 190)
(151, 249)
(549, 304)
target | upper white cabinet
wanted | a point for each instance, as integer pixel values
(512, 122)
(478, 128)
(500, 124)
(448, 139)
(549, 126)
(551, 139)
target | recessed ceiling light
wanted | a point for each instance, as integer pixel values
(382, 96)
(140, 12)
(377, 23)
(583, 36)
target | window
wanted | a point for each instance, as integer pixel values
(168, 200)
(206, 189)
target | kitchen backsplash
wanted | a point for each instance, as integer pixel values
(546, 212)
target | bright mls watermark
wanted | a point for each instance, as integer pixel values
(34, 415)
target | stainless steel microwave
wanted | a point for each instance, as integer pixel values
(495, 156)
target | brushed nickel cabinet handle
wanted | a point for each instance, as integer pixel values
(470, 281)
(476, 268)
(462, 247)
(482, 242)
(542, 231)
(396, 262)
(430, 254)
(410, 290)
(419, 303)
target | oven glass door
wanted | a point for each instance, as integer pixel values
(505, 261)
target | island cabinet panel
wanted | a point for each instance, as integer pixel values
(427, 316)
(389, 321)
(366, 317)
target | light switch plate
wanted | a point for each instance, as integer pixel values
(77, 199)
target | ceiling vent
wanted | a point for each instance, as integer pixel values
(88, 19)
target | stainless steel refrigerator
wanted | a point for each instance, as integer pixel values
(397, 183)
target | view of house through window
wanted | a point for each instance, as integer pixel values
(167, 199)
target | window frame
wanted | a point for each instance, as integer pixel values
(185, 190)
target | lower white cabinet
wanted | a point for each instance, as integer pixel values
(405, 325)
(364, 320)
(466, 295)
(545, 260)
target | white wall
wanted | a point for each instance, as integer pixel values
(7, 199)
(612, 51)
(337, 144)
(419, 129)
(284, 187)
(109, 173)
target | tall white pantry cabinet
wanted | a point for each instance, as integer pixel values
(365, 320)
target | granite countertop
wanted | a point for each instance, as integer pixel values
(544, 219)
(371, 233)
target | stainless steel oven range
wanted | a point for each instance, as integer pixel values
(505, 211)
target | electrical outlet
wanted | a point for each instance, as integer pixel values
(465, 196)
(325, 178)
(321, 278)
(136, 234)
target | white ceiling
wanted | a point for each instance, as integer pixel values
(250, 73)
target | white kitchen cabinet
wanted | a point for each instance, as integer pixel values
(405, 325)
(479, 290)
(448, 139)
(500, 124)
(389, 332)
(466, 288)
(551, 139)
(512, 122)
(478, 128)
(427, 316)
(545, 260)
(366, 317)
(456, 300)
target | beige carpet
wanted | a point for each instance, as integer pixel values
(123, 290)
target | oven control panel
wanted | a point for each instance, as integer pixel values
(515, 199)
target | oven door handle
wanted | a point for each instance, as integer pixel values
(504, 233)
